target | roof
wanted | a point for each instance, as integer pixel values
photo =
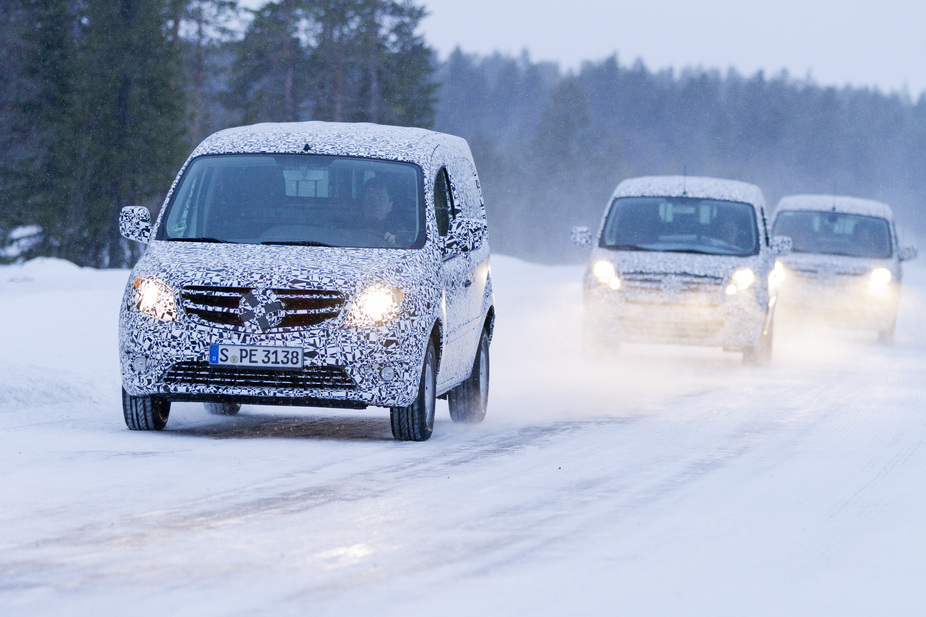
(333, 138)
(836, 203)
(690, 186)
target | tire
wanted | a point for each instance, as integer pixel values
(886, 336)
(469, 400)
(594, 346)
(144, 413)
(416, 422)
(223, 409)
(761, 354)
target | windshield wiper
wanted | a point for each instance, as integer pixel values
(696, 252)
(295, 243)
(628, 247)
(204, 239)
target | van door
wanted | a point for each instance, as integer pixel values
(467, 193)
(454, 278)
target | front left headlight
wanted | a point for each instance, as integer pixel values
(741, 280)
(375, 306)
(154, 298)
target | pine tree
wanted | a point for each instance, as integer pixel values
(271, 70)
(132, 129)
(38, 168)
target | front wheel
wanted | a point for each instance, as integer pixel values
(469, 400)
(761, 354)
(416, 422)
(886, 336)
(144, 413)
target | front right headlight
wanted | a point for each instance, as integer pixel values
(154, 298)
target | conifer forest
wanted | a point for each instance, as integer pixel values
(101, 101)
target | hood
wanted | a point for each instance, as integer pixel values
(833, 264)
(656, 262)
(279, 267)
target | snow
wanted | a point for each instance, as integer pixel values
(665, 480)
(690, 186)
(840, 203)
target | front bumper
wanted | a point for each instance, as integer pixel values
(733, 323)
(344, 367)
(853, 305)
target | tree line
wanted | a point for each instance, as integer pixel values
(102, 100)
(552, 145)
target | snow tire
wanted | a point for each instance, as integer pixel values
(416, 422)
(144, 413)
(469, 400)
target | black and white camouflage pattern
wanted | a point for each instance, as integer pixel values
(382, 363)
(679, 298)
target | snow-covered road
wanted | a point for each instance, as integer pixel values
(664, 481)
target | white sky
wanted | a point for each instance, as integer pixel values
(858, 42)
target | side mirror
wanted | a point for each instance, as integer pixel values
(581, 236)
(468, 234)
(135, 223)
(781, 246)
(906, 253)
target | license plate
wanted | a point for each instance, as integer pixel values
(263, 357)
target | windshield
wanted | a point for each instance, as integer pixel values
(835, 233)
(681, 224)
(303, 199)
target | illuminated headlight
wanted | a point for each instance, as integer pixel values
(777, 275)
(741, 281)
(606, 275)
(375, 306)
(879, 278)
(155, 299)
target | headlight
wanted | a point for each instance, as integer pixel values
(375, 306)
(777, 275)
(155, 299)
(606, 275)
(879, 278)
(741, 281)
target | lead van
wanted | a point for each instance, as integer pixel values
(319, 264)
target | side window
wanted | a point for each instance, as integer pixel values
(443, 202)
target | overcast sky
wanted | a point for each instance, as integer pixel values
(859, 42)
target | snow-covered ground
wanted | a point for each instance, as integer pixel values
(663, 481)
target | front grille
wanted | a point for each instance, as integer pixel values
(301, 307)
(684, 289)
(310, 377)
(671, 331)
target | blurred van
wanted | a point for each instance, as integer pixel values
(312, 263)
(682, 260)
(845, 263)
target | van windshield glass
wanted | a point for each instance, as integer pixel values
(681, 224)
(835, 233)
(310, 200)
